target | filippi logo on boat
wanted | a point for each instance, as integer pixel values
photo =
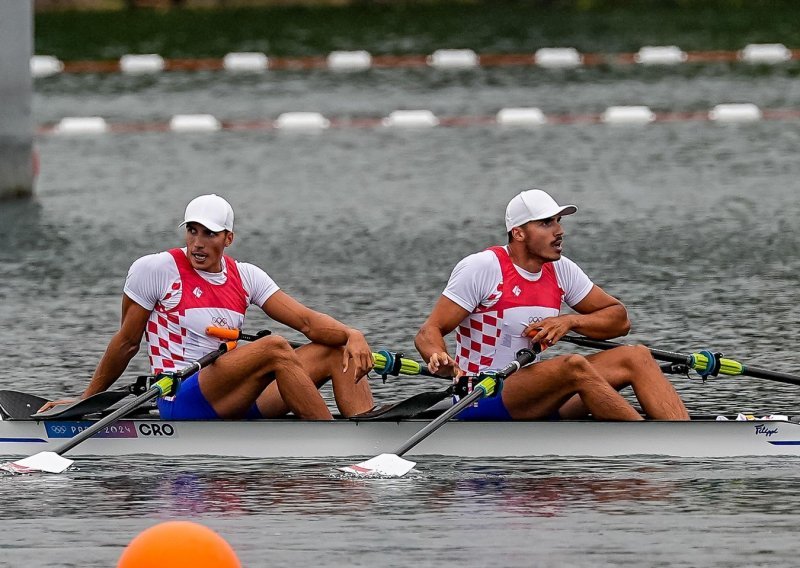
(121, 429)
(765, 430)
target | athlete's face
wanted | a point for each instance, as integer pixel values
(204, 247)
(542, 239)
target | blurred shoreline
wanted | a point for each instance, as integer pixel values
(580, 5)
(80, 30)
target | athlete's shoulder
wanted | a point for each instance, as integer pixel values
(479, 260)
(566, 263)
(151, 262)
(257, 283)
(249, 268)
(150, 278)
(573, 280)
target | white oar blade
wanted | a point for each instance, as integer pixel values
(384, 465)
(49, 462)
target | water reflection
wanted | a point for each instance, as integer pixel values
(27, 234)
(530, 488)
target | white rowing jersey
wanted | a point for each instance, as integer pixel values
(184, 302)
(503, 299)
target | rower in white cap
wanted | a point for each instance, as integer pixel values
(170, 298)
(509, 297)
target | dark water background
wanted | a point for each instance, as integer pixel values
(693, 225)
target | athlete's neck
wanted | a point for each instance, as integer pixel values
(520, 257)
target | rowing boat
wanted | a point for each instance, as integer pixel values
(82, 430)
(286, 438)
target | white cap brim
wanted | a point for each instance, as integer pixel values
(534, 205)
(210, 225)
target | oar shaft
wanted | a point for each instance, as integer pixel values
(439, 422)
(150, 394)
(407, 366)
(727, 366)
(604, 345)
(771, 375)
(484, 388)
(162, 386)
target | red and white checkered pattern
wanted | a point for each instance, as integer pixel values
(166, 338)
(478, 335)
(175, 331)
(476, 340)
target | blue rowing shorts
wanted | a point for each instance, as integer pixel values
(190, 404)
(491, 408)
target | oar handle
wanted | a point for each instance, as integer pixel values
(225, 333)
(237, 334)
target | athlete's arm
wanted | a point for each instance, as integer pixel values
(429, 341)
(600, 316)
(472, 281)
(121, 349)
(323, 329)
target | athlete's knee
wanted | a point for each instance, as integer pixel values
(578, 371)
(575, 363)
(326, 356)
(636, 357)
(335, 354)
(276, 350)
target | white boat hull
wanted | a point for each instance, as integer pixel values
(295, 438)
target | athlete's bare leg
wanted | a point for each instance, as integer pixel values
(234, 382)
(539, 390)
(323, 363)
(634, 366)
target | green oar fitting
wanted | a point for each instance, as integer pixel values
(711, 364)
(166, 385)
(490, 386)
(386, 363)
(390, 363)
(706, 363)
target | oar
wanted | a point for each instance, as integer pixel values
(704, 362)
(386, 362)
(54, 462)
(392, 465)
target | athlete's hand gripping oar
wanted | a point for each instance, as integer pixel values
(392, 465)
(54, 462)
(704, 362)
(385, 362)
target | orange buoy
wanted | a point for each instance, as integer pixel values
(178, 544)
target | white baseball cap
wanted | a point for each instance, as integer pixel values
(531, 205)
(211, 211)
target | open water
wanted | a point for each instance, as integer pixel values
(694, 225)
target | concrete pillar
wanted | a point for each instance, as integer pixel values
(16, 126)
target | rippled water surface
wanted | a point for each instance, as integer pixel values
(693, 225)
(525, 512)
